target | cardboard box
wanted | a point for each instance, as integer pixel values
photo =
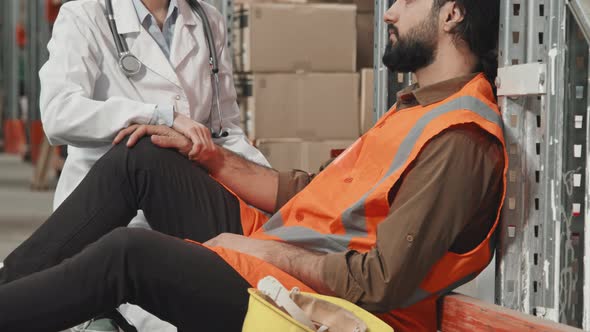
(243, 2)
(363, 6)
(309, 106)
(365, 27)
(367, 113)
(308, 156)
(272, 38)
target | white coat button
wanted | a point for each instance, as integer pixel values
(177, 97)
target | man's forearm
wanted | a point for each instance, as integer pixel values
(304, 265)
(255, 184)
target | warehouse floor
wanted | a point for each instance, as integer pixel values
(21, 210)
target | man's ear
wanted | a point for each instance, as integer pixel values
(452, 15)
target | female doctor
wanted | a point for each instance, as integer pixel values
(92, 88)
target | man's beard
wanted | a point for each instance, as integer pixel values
(415, 50)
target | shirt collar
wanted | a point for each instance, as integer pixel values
(143, 13)
(415, 95)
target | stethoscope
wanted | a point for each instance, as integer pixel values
(130, 64)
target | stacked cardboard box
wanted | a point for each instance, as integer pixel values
(297, 81)
(365, 22)
(367, 115)
(288, 38)
(363, 6)
(365, 26)
(287, 154)
(309, 106)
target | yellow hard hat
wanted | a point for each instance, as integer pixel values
(276, 309)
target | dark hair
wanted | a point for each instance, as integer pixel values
(479, 30)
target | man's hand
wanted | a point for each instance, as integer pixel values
(162, 136)
(302, 264)
(243, 244)
(203, 147)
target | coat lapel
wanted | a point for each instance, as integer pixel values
(184, 42)
(141, 44)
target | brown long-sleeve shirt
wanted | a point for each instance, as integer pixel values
(446, 201)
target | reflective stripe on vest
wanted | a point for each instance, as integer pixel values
(354, 217)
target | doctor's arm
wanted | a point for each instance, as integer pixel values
(69, 113)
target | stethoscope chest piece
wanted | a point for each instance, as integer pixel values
(130, 65)
(221, 134)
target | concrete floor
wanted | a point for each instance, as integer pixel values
(21, 210)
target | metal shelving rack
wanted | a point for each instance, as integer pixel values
(226, 8)
(38, 34)
(527, 262)
(9, 14)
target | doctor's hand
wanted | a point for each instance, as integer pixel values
(162, 136)
(203, 147)
(136, 132)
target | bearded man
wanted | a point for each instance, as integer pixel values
(404, 215)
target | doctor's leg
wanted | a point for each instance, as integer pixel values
(185, 284)
(177, 197)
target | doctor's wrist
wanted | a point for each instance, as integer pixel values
(164, 115)
(177, 120)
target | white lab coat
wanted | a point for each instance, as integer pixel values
(86, 99)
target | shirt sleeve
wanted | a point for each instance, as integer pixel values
(164, 115)
(291, 183)
(456, 174)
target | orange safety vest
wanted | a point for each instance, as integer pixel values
(342, 207)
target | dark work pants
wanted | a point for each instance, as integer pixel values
(80, 263)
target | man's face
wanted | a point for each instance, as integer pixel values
(413, 35)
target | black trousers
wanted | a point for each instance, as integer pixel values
(82, 263)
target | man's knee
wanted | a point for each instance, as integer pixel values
(128, 159)
(114, 161)
(142, 146)
(144, 153)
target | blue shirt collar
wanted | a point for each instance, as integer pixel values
(143, 13)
